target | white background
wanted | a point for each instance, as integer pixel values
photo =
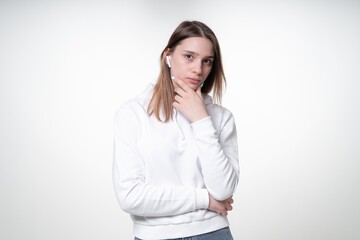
(293, 85)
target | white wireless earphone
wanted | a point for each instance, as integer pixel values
(168, 61)
(169, 65)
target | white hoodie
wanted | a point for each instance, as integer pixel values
(164, 172)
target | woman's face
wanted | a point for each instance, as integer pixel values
(192, 60)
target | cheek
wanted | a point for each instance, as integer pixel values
(207, 71)
(178, 69)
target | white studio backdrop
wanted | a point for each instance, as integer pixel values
(293, 78)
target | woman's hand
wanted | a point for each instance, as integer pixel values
(189, 102)
(221, 207)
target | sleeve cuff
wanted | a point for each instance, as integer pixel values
(203, 127)
(200, 121)
(202, 199)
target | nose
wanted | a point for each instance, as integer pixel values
(197, 67)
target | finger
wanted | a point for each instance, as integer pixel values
(228, 207)
(179, 82)
(175, 84)
(177, 98)
(224, 213)
(179, 91)
(198, 92)
(176, 105)
(182, 84)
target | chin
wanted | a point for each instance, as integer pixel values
(193, 86)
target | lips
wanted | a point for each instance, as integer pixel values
(194, 80)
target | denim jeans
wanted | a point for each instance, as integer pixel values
(221, 234)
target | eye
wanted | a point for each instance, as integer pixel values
(188, 56)
(208, 61)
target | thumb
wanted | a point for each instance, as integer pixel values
(198, 91)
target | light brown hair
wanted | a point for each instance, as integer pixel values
(163, 93)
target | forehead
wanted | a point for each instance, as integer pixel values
(199, 45)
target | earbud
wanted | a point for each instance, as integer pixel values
(168, 61)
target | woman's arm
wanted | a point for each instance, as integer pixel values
(218, 155)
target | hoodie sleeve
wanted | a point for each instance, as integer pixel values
(218, 153)
(134, 195)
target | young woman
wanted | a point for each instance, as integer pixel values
(175, 151)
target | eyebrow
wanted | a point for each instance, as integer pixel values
(194, 53)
